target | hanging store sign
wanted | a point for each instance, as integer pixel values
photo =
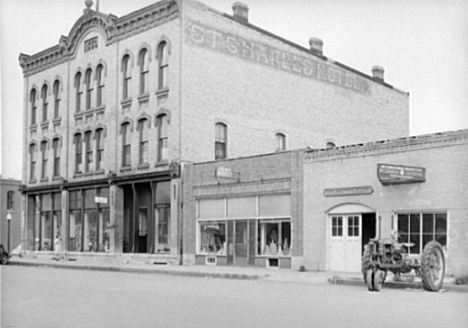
(397, 174)
(334, 192)
(100, 200)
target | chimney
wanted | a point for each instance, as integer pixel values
(316, 46)
(241, 12)
(378, 73)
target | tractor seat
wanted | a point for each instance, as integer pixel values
(400, 245)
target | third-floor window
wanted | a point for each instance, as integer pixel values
(127, 76)
(144, 70)
(89, 88)
(45, 102)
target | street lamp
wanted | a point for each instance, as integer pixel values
(8, 217)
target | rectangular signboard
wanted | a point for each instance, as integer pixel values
(100, 200)
(364, 190)
(397, 174)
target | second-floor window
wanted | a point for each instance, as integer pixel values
(10, 206)
(126, 149)
(280, 142)
(32, 100)
(56, 147)
(163, 65)
(221, 141)
(78, 153)
(100, 85)
(127, 76)
(89, 151)
(78, 92)
(45, 103)
(89, 88)
(32, 155)
(99, 149)
(162, 138)
(144, 71)
(143, 128)
(45, 157)
(56, 98)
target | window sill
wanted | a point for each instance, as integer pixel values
(56, 178)
(45, 124)
(100, 109)
(126, 102)
(88, 174)
(143, 166)
(162, 163)
(77, 175)
(44, 179)
(143, 98)
(100, 171)
(162, 90)
(125, 168)
(33, 127)
(33, 181)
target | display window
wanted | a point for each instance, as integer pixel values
(212, 237)
(274, 238)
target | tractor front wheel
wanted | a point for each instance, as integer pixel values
(370, 279)
(379, 277)
(433, 266)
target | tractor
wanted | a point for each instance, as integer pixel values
(4, 256)
(383, 255)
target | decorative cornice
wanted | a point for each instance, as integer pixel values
(404, 143)
(113, 29)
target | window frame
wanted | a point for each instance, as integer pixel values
(56, 147)
(100, 85)
(144, 70)
(163, 137)
(126, 77)
(56, 90)
(78, 92)
(78, 140)
(163, 65)
(126, 145)
(32, 100)
(10, 201)
(280, 142)
(88, 151)
(99, 136)
(89, 88)
(33, 160)
(45, 158)
(221, 135)
(45, 102)
(143, 148)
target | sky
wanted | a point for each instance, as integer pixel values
(421, 44)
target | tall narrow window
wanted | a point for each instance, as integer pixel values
(56, 147)
(144, 71)
(78, 153)
(56, 98)
(32, 155)
(89, 151)
(143, 128)
(127, 76)
(163, 65)
(78, 92)
(45, 103)
(32, 99)
(221, 141)
(99, 149)
(280, 142)
(89, 88)
(45, 156)
(126, 150)
(10, 200)
(100, 85)
(162, 138)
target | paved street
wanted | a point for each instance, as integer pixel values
(48, 297)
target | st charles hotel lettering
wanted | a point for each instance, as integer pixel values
(208, 37)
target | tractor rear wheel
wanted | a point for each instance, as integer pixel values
(433, 266)
(366, 257)
(370, 279)
(3, 259)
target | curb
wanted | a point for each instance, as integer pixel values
(395, 285)
(142, 270)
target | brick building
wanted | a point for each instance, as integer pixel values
(115, 109)
(10, 198)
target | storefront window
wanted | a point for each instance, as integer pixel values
(46, 226)
(104, 221)
(74, 242)
(213, 237)
(421, 228)
(57, 214)
(274, 238)
(162, 216)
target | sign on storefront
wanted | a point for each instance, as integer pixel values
(364, 190)
(225, 174)
(100, 200)
(397, 174)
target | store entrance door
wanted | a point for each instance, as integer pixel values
(345, 242)
(241, 243)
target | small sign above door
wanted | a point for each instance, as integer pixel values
(363, 190)
(397, 174)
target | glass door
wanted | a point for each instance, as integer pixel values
(241, 243)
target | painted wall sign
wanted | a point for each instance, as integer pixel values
(224, 172)
(100, 200)
(200, 35)
(364, 190)
(397, 174)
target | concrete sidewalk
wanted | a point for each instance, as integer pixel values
(229, 272)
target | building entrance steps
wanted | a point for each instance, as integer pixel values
(230, 272)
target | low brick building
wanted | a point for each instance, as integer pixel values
(10, 197)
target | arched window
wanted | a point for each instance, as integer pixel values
(45, 157)
(78, 153)
(10, 205)
(126, 145)
(127, 76)
(32, 156)
(163, 141)
(78, 92)
(44, 102)
(89, 88)
(143, 129)
(221, 141)
(280, 142)
(89, 151)
(163, 65)
(100, 85)
(99, 149)
(144, 70)
(56, 98)
(32, 100)
(56, 147)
